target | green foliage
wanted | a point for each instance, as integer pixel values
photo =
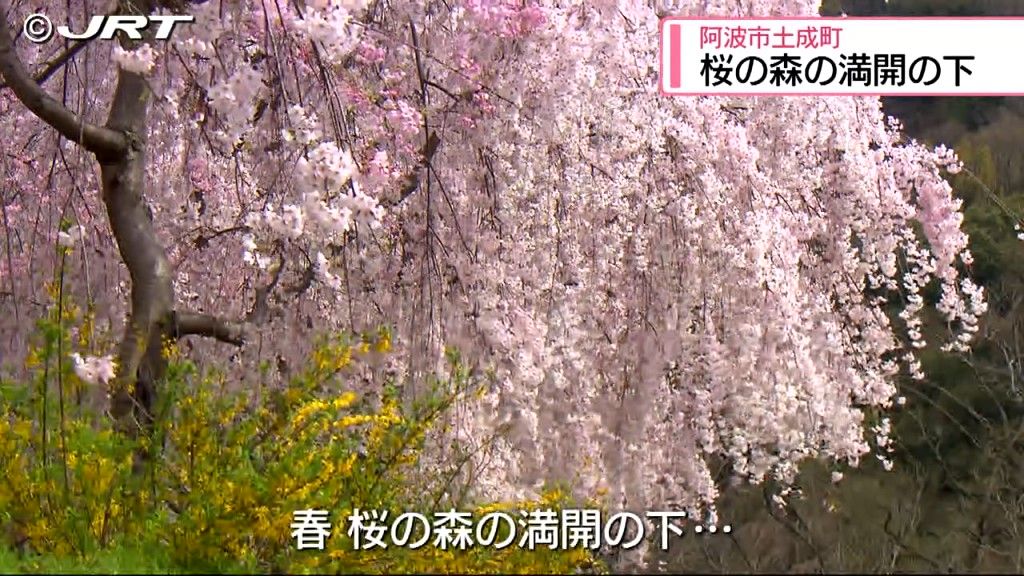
(227, 469)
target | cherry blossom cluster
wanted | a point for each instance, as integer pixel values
(331, 22)
(139, 61)
(234, 99)
(93, 370)
(200, 40)
(505, 18)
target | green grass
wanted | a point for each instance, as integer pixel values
(124, 559)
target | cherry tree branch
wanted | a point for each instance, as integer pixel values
(56, 64)
(98, 140)
(412, 179)
(193, 324)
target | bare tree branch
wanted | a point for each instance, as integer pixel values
(98, 140)
(56, 64)
(412, 180)
(189, 324)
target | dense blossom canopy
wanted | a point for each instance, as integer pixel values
(651, 281)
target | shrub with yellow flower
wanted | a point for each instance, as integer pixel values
(227, 471)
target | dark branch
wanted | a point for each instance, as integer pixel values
(261, 311)
(300, 287)
(59, 61)
(96, 139)
(191, 324)
(56, 64)
(412, 180)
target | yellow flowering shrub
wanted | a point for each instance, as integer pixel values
(226, 473)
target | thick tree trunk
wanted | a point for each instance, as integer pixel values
(140, 360)
(120, 149)
(141, 363)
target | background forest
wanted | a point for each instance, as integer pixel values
(954, 500)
